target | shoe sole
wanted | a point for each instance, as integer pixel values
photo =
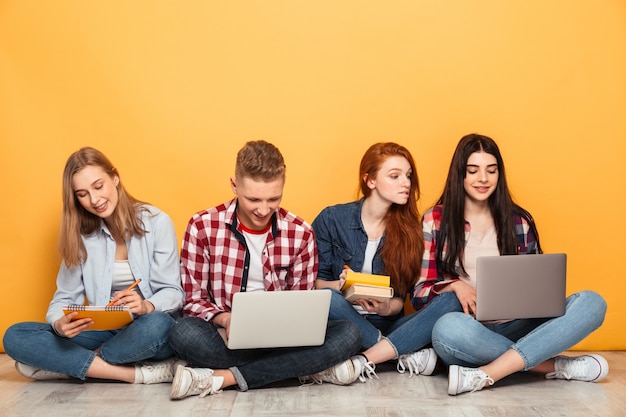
(431, 362)
(353, 375)
(604, 367)
(453, 379)
(39, 374)
(176, 383)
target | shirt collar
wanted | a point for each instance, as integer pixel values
(233, 222)
(355, 216)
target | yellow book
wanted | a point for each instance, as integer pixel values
(104, 317)
(369, 279)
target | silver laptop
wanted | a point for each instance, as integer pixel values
(520, 286)
(273, 319)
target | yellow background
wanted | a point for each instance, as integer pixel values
(171, 90)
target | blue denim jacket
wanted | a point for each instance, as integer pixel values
(341, 240)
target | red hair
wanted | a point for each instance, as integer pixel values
(403, 245)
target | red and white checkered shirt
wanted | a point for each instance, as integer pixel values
(215, 260)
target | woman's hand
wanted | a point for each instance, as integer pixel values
(67, 328)
(336, 284)
(466, 295)
(373, 306)
(343, 276)
(134, 301)
(382, 308)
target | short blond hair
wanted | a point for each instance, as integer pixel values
(260, 160)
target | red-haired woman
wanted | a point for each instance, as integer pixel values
(380, 234)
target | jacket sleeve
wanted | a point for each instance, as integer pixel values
(429, 282)
(164, 290)
(321, 226)
(70, 290)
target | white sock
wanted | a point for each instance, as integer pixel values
(138, 375)
(217, 382)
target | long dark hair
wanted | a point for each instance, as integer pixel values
(452, 229)
(404, 243)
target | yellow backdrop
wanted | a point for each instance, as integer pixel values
(170, 91)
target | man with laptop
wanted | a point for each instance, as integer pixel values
(250, 246)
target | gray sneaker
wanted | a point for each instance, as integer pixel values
(38, 374)
(194, 381)
(462, 379)
(421, 362)
(158, 372)
(588, 368)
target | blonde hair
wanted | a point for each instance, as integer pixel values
(76, 221)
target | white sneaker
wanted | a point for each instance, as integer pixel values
(38, 374)
(421, 362)
(158, 372)
(344, 373)
(194, 381)
(588, 368)
(462, 379)
(364, 369)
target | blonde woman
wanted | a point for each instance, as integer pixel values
(108, 240)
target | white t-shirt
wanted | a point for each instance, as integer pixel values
(370, 251)
(255, 240)
(255, 243)
(122, 276)
(479, 244)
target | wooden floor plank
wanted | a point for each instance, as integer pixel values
(392, 395)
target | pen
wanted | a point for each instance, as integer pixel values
(133, 285)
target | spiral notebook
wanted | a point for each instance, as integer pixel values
(104, 317)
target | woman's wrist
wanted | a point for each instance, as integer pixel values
(56, 330)
(148, 307)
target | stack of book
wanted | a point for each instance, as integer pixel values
(360, 285)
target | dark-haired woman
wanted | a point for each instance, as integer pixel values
(474, 217)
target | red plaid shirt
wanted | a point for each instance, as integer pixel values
(431, 280)
(215, 259)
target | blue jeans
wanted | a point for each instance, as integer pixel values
(37, 345)
(459, 339)
(199, 343)
(406, 334)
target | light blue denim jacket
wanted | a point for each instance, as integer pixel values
(152, 257)
(341, 240)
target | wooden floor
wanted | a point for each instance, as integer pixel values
(393, 395)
